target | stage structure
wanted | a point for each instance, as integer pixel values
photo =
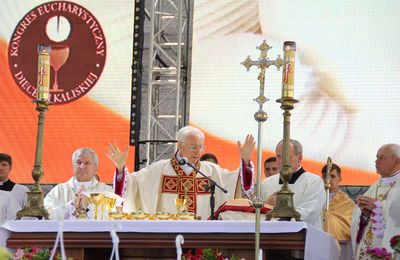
(160, 76)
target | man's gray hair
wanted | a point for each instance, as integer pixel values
(298, 148)
(185, 131)
(84, 151)
(394, 150)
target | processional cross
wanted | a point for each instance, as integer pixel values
(260, 116)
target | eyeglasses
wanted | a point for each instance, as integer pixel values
(196, 148)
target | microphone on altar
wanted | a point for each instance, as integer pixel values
(207, 187)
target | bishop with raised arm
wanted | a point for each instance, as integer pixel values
(156, 187)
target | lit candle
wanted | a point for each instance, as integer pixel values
(43, 75)
(289, 49)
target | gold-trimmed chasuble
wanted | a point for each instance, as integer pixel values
(177, 184)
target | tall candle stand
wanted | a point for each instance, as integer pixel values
(35, 205)
(284, 206)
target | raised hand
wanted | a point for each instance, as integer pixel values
(246, 150)
(118, 157)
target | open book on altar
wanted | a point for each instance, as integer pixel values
(239, 209)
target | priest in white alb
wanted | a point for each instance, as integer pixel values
(308, 188)
(71, 194)
(156, 187)
(369, 223)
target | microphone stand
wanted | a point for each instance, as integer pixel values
(211, 188)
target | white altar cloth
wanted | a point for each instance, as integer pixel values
(319, 245)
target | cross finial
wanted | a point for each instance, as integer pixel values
(263, 62)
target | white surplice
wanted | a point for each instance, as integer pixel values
(18, 191)
(156, 187)
(8, 207)
(63, 195)
(308, 198)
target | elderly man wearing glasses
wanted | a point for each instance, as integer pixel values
(156, 187)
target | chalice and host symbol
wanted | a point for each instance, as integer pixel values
(58, 29)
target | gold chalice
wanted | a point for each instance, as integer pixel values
(103, 203)
(96, 199)
(180, 205)
(109, 203)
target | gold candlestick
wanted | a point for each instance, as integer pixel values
(35, 206)
(284, 206)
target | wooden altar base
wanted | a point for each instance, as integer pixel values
(98, 245)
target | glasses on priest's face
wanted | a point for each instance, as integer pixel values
(195, 148)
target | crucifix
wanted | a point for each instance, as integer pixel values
(263, 63)
(260, 116)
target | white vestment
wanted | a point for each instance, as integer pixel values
(18, 192)
(308, 198)
(8, 207)
(392, 213)
(156, 187)
(64, 193)
(373, 234)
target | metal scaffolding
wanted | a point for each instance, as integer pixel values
(164, 97)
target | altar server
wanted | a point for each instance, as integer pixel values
(18, 191)
(337, 218)
(308, 188)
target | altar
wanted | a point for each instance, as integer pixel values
(144, 239)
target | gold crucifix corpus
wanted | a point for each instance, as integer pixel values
(263, 62)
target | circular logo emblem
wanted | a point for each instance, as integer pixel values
(78, 50)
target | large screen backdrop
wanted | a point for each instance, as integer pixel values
(92, 55)
(346, 78)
